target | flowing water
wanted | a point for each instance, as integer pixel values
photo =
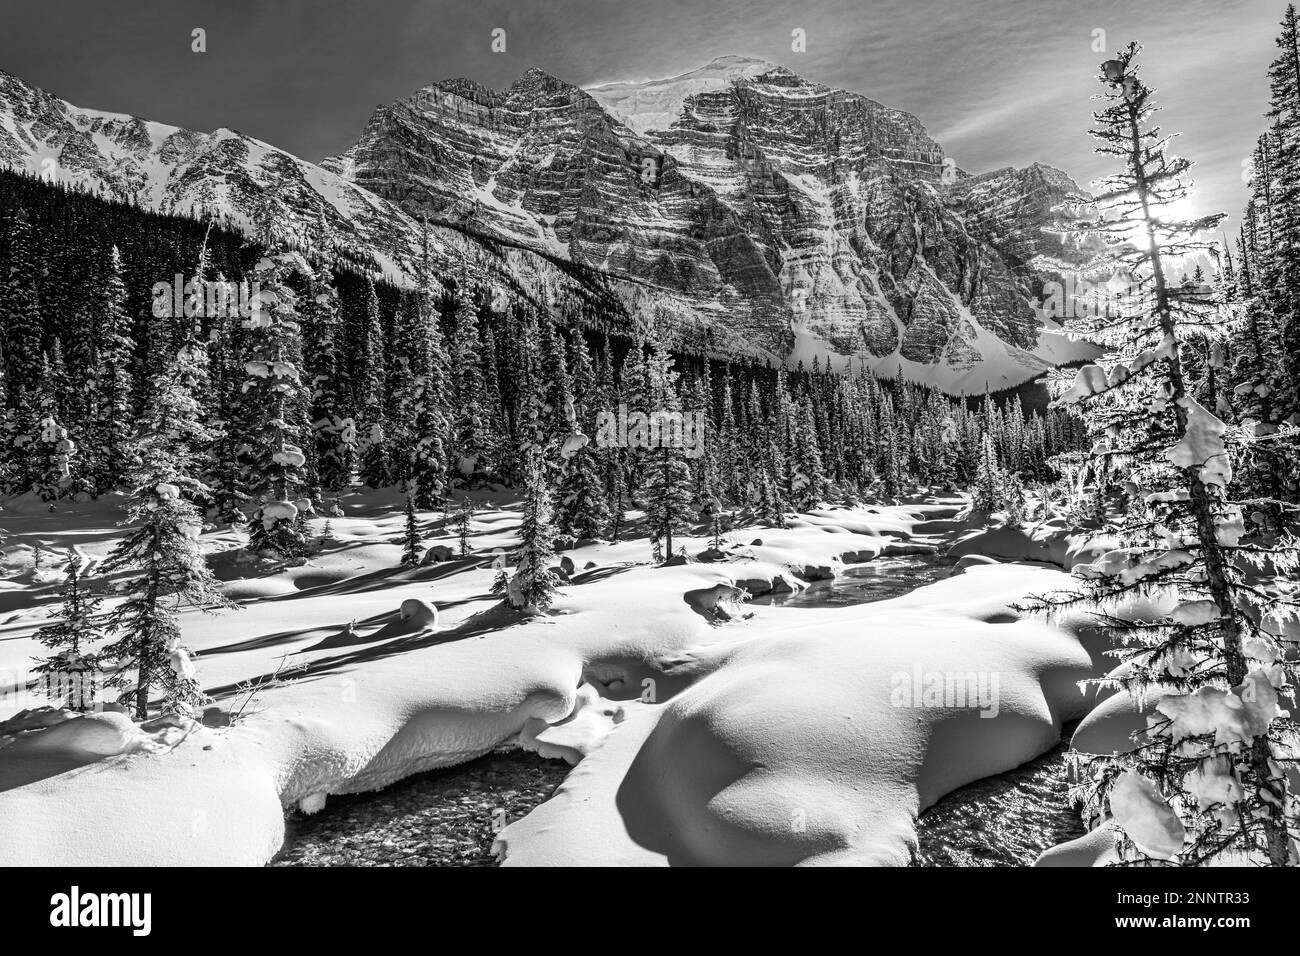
(877, 580)
(1006, 820)
(440, 818)
(450, 817)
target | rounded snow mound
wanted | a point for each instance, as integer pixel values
(93, 735)
(818, 746)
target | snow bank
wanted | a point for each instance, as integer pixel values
(701, 726)
(1049, 542)
(816, 742)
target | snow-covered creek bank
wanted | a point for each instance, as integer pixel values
(451, 816)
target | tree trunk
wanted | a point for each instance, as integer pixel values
(1216, 565)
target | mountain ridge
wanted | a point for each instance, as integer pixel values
(771, 217)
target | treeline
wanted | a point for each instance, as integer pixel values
(330, 376)
(1254, 379)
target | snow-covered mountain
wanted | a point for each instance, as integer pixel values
(739, 208)
(228, 175)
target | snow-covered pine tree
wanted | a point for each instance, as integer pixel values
(464, 514)
(20, 313)
(727, 446)
(559, 414)
(471, 443)
(889, 455)
(410, 531)
(227, 414)
(533, 585)
(334, 429)
(1207, 780)
(937, 432)
(162, 550)
(988, 494)
(698, 402)
(529, 394)
(808, 485)
(425, 407)
(583, 511)
(73, 672)
(46, 450)
(113, 384)
(609, 399)
(374, 441)
(276, 400)
(1265, 375)
(1281, 267)
(666, 494)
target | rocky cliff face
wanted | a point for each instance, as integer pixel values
(1027, 215)
(739, 207)
(803, 219)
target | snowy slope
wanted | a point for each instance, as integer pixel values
(656, 104)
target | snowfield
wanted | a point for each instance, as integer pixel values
(703, 731)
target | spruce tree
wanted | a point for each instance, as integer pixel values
(424, 407)
(471, 442)
(73, 672)
(1206, 781)
(276, 400)
(666, 495)
(583, 511)
(533, 586)
(162, 551)
(371, 395)
(333, 425)
(21, 321)
(410, 532)
(988, 495)
(809, 486)
(113, 385)
(45, 450)
(464, 515)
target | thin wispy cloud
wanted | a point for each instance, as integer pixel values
(997, 82)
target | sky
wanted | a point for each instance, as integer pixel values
(996, 82)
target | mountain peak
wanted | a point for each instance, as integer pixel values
(748, 65)
(721, 70)
(645, 105)
(535, 82)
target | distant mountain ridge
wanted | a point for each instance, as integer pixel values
(739, 208)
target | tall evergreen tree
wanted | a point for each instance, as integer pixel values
(666, 495)
(371, 395)
(583, 511)
(334, 429)
(21, 319)
(533, 586)
(113, 386)
(162, 551)
(276, 400)
(1206, 780)
(470, 437)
